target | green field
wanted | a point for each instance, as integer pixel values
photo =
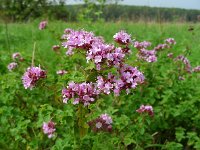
(20, 37)
(173, 93)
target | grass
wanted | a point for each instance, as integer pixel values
(176, 102)
(21, 36)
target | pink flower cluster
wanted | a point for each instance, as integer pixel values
(161, 47)
(150, 55)
(61, 72)
(102, 123)
(186, 63)
(49, 128)
(196, 69)
(101, 54)
(143, 53)
(17, 56)
(147, 55)
(170, 41)
(170, 55)
(78, 39)
(43, 25)
(129, 78)
(84, 93)
(55, 47)
(12, 66)
(141, 45)
(96, 49)
(146, 109)
(122, 38)
(106, 85)
(31, 76)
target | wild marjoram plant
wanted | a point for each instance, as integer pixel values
(107, 58)
(107, 77)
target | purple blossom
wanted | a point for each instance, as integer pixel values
(170, 41)
(186, 63)
(122, 38)
(12, 66)
(101, 53)
(43, 25)
(106, 118)
(61, 72)
(147, 55)
(70, 51)
(148, 109)
(161, 47)
(55, 47)
(131, 77)
(78, 39)
(84, 93)
(196, 69)
(31, 76)
(98, 125)
(105, 85)
(170, 55)
(96, 49)
(143, 53)
(49, 128)
(102, 123)
(68, 30)
(17, 56)
(141, 45)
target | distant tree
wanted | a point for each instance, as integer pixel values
(198, 18)
(23, 9)
(94, 9)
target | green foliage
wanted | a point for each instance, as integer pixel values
(176, 120)
(91, 10)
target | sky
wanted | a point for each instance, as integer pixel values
(187, 4)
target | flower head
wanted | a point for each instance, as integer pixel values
(16, 55)
(196, 69)
(131, 77)
(122, 38)
(31, 76)
(61, 72)
(43, 25)
(12, 66)
(55, 47)
(106, 118)
(84, 93)
(141, 45)
(148, 109)
(49, 128)
(102, 123)
(160, 47)
(78, 39)
(170, 41)
(185, 62)
(170, 55)
(147, 55)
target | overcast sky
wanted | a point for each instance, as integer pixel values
(187, 4)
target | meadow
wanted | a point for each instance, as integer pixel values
(173, 93)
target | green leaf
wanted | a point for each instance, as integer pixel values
(180, 134)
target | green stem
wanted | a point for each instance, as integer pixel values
(80, 127)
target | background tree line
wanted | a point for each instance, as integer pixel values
(91, 10)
